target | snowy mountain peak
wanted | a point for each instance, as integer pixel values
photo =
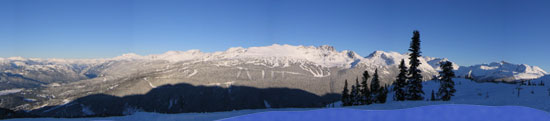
(352, 54)
(17, 58)
(436, 62)
(327, 47)
(501, 71)
(236, 49)
(128, 56)
(323, 55)
(382, 58)
(385, 58)
(384, 54)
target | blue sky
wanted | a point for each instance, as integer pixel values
(466, 31)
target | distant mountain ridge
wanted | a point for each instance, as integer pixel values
(501, 71)
(273, 56)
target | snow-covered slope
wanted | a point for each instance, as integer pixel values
(436, 62)
(381, 59)
(275, 54)
(501, 71)
(424, 113)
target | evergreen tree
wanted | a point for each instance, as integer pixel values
(353, 95)
(358, 97)
(365, 91)
(414, 86)
(446, 89)
(346, 95)
(400, 82)
(375, 87)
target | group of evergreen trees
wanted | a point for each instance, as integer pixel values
(529, 83)
(364, 94)
(408, 83)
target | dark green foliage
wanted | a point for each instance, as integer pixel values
(378, 93)
(7, 114)
(414, 86)
(400, 82)
(383, 94)
(353, 95)
(365, 91)
(446, 89)
(358, 96)
(375, 86)
(345, 95)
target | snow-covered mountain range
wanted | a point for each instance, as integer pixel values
(275, 56)
(319, 70)
(501, 71)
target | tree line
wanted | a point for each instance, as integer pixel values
(407, 85)
(362, 94)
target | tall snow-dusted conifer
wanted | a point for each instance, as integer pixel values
(365, 91)
(414, 84)
(375, 87)
(346, 95)
(446, 89)
(400, 82)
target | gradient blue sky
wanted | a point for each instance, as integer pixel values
(465, 31)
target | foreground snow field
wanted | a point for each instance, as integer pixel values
(425, 113)
(450, 112)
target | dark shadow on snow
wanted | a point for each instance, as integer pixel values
(183, 98)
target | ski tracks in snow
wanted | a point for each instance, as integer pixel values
(192, 74)
(150, 84)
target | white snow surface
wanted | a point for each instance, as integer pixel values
(381, 58)
(502, 71)
(424, 113)
(448, 112)
(9, 91)
(275, 54)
